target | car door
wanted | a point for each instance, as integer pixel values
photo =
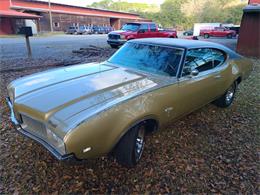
(143, 31)
(197, 90)
(153, 30)
(222, 32)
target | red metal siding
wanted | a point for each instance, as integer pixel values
(58, 8)
(249, 36)
(254, 1)
(5, 4)
(6, 26)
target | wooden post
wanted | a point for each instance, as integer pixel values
(28, 46)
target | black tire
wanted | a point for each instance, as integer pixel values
(226, 100)
(130, 148)
(114, 46)
(229, 36)
(206, 36)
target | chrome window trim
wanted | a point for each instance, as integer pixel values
(203, 74)
(148, 73)
(220, 65)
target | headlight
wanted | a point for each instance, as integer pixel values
(122, 37)
(56, 142)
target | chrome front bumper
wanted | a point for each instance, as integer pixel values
(116, 42)
(19, 128)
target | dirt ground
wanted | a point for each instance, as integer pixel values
(212, 150)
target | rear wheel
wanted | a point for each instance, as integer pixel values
(130, 148)
(229, 36)
(226, 100)
(206, 36)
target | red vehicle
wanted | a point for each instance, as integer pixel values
(218, 32)
(137, 30)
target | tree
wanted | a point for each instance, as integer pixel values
(125, 6)
(171, 13)
(181, 13)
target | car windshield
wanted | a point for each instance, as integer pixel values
(131, 27)
(149, 58)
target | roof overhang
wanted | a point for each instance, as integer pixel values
(71, 12)
(16, 14)
(252, 8)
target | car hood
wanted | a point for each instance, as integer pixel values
(122, 32)
(57, 95)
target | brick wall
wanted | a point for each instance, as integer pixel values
(62, 21)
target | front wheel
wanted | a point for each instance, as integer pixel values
(226, 100)
(114, 46)
(206, 36)
(130, 148)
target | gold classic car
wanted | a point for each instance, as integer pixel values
(89, 110)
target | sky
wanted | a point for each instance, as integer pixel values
(83, 3)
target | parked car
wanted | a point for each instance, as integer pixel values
(89, 110)
(108, 29)
(137, 30)
(72, 30)
(235, 28)
(84, 30)
(188, 32)
(218, 32)
(98, 30)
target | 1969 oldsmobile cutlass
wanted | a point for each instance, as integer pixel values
(89, 110)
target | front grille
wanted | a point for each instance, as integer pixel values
(34, 126)
(113, 36)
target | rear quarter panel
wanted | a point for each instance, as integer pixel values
(245, 66)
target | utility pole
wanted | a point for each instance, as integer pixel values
(50, 16)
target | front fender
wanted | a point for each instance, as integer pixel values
(102, 132)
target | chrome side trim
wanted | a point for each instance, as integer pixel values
(12, 116)
(35, 138)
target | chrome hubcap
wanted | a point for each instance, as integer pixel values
(230, 94)
(139, 143)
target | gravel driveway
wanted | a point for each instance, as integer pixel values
(55, 47)
(212, 150)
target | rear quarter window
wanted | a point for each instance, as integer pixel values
(219, 57)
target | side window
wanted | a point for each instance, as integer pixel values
(144, 28)
(152, 27)
(218, 57)
(200, 59)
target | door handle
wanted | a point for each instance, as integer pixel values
(218, 77)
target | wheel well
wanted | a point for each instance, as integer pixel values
(238, 80)
(151, 125)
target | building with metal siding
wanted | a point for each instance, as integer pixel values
(62, 15)
(249, 36)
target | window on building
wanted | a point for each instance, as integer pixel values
(56, 24)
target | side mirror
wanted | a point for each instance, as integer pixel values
(194, 73)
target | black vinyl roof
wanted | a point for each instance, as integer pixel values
(186, 44)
